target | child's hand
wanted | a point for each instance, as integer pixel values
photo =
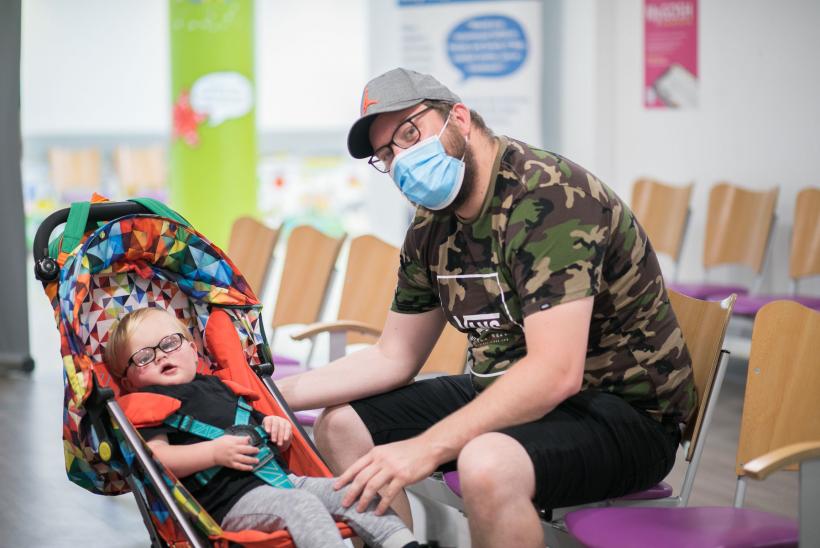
(235, 452)
(279, 429)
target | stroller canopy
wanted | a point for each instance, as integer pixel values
(137, 261)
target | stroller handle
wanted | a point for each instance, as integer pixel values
(45, 268)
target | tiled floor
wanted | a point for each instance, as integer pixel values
(40, 507)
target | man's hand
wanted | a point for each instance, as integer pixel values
(280, 430)
(234, 452)
(385, 471)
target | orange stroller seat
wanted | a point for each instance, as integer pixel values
(143, 254)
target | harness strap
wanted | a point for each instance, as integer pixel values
(268, 470)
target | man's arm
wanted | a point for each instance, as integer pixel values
(405, 343)
(551, 372)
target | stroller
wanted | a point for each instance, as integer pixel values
(115, 257)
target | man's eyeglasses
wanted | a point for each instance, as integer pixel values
(145, 356)
(405, 136)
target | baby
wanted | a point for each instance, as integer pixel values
(152, 351)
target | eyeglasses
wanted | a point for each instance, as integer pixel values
(405, 136)
(145, 356)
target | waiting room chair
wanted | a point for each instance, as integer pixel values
(367, 291)
(779, 428)
(663, 212)
(141, 171)
(804, 255)
(250, 247)
(369, 286)
(739, 224)
(76, 173)
(703, 324)
(307, 272)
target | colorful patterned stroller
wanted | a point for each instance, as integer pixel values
(114, 257)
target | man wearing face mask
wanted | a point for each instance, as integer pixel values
(579, 380)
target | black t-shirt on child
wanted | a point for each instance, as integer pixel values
(208, 400)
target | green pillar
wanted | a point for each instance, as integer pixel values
(213, 152)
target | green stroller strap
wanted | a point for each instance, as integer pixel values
(160, 209)
(77, 221)
(74, 230)
(268, 470)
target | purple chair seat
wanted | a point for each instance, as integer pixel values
(282, 370)
(452, 481)
(680, 527)
(278, 359)
(661, 490)
(308, 416)
(748, 305)
(712, 292)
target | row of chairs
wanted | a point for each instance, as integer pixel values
(739, 227)
(307, 272)
(779, 429)
(370, 279)
(139, 170)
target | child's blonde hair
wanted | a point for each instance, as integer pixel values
(125, 328)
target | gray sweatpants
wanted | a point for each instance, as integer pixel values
(306, 511)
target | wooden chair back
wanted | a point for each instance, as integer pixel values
(663, 211)
(250, 247)
(703, 324)
(75, 169)
(140, 169)
(783, 382)
(738, 226)
(369, 284)
(449, 355)
(804, 257)
(309, 261)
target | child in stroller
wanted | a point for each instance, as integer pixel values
(116, 257)
(150, 351)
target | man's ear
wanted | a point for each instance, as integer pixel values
(460, 114)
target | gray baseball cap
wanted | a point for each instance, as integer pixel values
(394, 90)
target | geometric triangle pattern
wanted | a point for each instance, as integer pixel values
(133, 262)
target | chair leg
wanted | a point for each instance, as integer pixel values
(809, 502)
(689, 478)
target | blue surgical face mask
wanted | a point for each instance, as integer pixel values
(427, 175)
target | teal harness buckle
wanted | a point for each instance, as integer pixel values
(267, 469)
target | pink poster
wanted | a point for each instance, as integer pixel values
(670, 53)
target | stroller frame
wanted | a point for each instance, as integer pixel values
(101, 403)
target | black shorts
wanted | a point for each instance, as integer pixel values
(592, 447)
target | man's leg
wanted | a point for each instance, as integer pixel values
(346, 432)
(342, 438)
(498, 483)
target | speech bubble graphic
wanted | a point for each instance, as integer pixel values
(222, 96)
(487, 45)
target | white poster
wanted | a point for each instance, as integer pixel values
(487, 52)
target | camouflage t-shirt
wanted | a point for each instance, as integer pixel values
(549, 233)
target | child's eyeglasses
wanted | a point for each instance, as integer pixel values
(145, 356)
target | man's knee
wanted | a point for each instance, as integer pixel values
(495, 465)
(340, 429)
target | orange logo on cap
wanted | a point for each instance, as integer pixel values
(366, 102)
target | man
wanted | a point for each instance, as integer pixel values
(579, 377)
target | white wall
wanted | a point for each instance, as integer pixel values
(311, 63)
(95, 66)
(756, 124)
(102, 66)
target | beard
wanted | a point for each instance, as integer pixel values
(456, 145)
